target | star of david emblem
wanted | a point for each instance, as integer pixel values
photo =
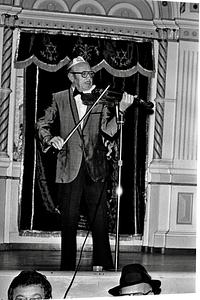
(121, 59)
(50, 51)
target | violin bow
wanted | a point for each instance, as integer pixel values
(85, 115)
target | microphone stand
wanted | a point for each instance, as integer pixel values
(120, 122)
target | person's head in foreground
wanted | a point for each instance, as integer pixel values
(136, 281)
(29, 285)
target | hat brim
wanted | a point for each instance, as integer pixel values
(74, 63)
(115, 291)
(155, 284)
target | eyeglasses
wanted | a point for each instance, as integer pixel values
(138, 294)
(84, 74)
(25, 298)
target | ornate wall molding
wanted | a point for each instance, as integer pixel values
(176, 29)
(89, 23)
(88, 7)
(54, 5)
(82, 23)
(117, 8)
(127, 11)
(188, 31)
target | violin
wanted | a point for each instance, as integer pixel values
(111, 98)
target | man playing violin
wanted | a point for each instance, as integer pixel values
(82, 169)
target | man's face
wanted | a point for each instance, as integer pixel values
(139, 289)
(31, 292)
(82, 84)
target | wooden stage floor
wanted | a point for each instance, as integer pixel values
(172, 261)
(176, 271)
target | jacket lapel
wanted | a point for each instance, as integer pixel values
(74, 111)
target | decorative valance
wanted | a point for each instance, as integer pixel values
(51, 52)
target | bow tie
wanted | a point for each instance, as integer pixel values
(86, 98)
(85, 93)
(76, 92)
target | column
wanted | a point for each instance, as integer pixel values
(160, 95)
(5, 88)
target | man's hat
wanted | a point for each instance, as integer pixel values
(134, 274)
(75, 61)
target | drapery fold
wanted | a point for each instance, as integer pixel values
(52, 52)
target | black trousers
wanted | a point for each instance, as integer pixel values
(94, 195)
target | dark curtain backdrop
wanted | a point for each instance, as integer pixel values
(127, 66)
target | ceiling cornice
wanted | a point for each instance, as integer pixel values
(111, 26)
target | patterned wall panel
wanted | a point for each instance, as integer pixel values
(125, 10)
(184, 208)
(135, 9)
(89, 7)
(54, 5)
(186, 127)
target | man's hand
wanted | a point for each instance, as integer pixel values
(126, 101)
(57, 142)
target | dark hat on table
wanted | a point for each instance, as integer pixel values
(134, 274)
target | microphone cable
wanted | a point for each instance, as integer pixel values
(81, 252)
